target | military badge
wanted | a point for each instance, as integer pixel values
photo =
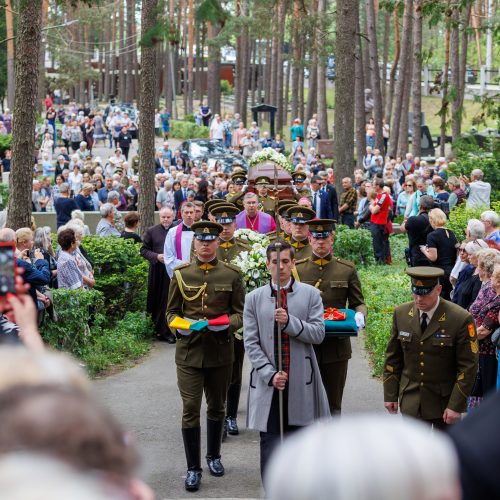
(474, 346)
(442, 317)
(471, 330)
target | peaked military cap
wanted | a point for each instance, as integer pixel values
(239, 178)
(206, 230)
(214, 202)
(299, 176)
(283, 209)
(321, 228)
(262, 180)
(424, 278)
(224, 214)
(301, 215)
(286, 202)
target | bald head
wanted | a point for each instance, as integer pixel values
(7, 235)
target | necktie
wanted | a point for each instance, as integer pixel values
(184, 195)
(423, 322)
(315, 200)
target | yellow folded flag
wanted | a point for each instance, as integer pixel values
(180, 323)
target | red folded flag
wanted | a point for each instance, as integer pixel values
(220, 321)
(333, 314)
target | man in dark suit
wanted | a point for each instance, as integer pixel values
(180, 196)
(320, 199)
(332, 194)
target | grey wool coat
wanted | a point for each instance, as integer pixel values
(307, 400)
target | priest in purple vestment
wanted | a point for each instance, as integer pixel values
(252, 218)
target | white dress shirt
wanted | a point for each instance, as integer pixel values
(169, 253)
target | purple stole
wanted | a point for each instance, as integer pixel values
(263, 224)
(178, 241)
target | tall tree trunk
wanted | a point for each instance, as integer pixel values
(385, 59)
(476, 23)
(322, 108)
(280, 115)
(295, 60)
(359, 103)
(237, 72)
(405, 104)
(245, 63)
(313, 70)
(444, 106)
(286, 98)
(275, 47)
(42, 83)
(392, 76)
(129, 59)
(200, 43)
(417, 86)
(463, 54)
(113, 65)
(190, 74)
(107, 59)
(301, 84)
(9, 26)
(400, 85)
(345, 43)
(146, 202)
(121, 57)
(267, 72)
(456, 109)
(213, 68)
(374, 73)
(29, 38)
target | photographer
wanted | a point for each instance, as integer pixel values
(418, 227)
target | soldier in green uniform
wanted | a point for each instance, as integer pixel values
(267, 203)
(432, 355)
(284, 221)
(205, 289)
(212, 203)
(299, 188)
(239, 179)
(340, 287)
(229, 248)
(299, 220)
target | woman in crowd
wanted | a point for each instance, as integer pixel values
(485, 310)
(438, 185)
(404, 196)
(297, 156)
(239, 134)
(370, 133)
(43, 242)
(278, 144)
(202, 193)
(457, 194)
(131, 221)
(441, 248)
(68, 273)
(84, 198)
(468, 283)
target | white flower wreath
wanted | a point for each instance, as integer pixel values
(270, 154)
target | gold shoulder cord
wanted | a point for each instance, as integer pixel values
(295, 274)
(183, 285)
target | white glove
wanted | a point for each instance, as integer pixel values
(360, 320)
(245, 187)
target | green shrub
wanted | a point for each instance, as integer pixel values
(189, 118)
(354, 245)
(187, 130)
(5, 143)
(460, 216)
(226, 87)
(4, 195)
(384, 288)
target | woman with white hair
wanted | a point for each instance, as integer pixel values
(367, 457)
(81, 257)
(491, 220)
(80, 216)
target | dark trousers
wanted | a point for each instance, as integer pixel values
(125, 152)
(271, 439)
(333, 376)
(348, 220)
(379, 245)
(239, 355)
(193, 382)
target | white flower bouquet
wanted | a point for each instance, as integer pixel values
(253, 262)
(270, 154)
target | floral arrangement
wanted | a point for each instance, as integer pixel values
(270, 154)
(253, 262)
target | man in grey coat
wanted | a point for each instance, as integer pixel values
(301, 319)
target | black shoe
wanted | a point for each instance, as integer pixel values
(232, 426)
(193, 480)
(215, 466)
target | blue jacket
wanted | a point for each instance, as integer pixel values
(35, 275)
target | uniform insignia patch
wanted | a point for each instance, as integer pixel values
(443, 317)
(471, 330)
(474, 346)
(410, 313)
(389, 368)
(461, 376)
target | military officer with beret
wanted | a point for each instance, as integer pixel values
(229, 248)
(239, 179)
(299, 188)
(205, 289)
(340, 287)
(432, 355)
(267, 203)
(299, 220)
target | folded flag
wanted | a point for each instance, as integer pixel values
(340, 327)
(180, 323)
(220, 321)
(199, 325)
(215, 324)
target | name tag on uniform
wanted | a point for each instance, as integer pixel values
(405, 336)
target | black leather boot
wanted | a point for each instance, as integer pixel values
(214, 439)
(233, 399)
(192, 445)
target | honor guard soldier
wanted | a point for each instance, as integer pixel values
(339, 284)
(213, 203)
(239, 179)
(205, 289)
(229, 248)
(299, 220)
(267, 202)
(299, 188)
(432, 355)
(285, 232)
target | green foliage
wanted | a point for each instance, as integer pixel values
(384, 288)
(460, 216)
(354, 245)
(4, 195)
(5, 143)
(189, 118)
(226, 87)
(187, 130)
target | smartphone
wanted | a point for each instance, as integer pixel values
(462, 171)
(7, 268)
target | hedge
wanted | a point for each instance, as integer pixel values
(187, 130)
(460, 216)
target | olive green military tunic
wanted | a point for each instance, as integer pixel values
(302, 248)
(303, 193)
(236, 199)
(430, 371)
(205, 291)
(340, 287)
(268, 205)
(228, 250)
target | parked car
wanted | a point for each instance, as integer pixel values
(200, 150)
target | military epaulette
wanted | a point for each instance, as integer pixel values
(347, 263)
(243, 243)
(232, 266)
(182, 266)
(301, 261)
